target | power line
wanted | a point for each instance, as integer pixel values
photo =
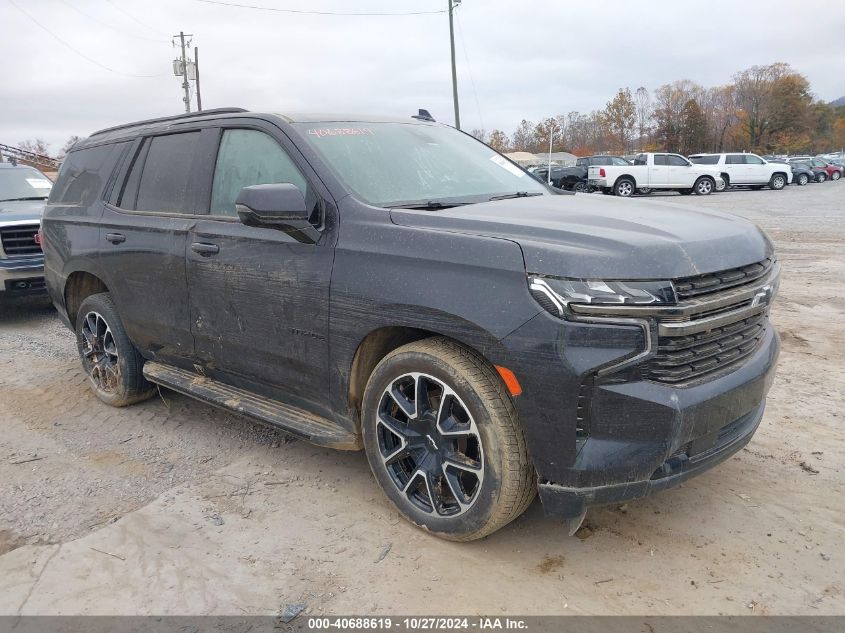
(106, 24)
(133, 18)
(78, 52)
(301, 12)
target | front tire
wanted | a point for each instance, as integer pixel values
(835, 175)
(777, 182)
(803, 179)
(444, 441)
(580, 187)
(624, 188)
(704, 186)
(821, 177)
(109, 359)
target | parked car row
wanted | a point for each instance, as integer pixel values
(701, 174)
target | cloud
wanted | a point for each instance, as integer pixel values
(516, 59)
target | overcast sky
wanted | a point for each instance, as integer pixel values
(516, 59)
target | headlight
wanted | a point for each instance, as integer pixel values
(555, 295)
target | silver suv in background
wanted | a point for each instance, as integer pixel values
(23, 192)
(746, 170)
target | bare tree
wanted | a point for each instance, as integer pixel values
(36, 146)
(642, 103)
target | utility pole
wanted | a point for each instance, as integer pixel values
(197, 76)
(184, 72)
(452, 4)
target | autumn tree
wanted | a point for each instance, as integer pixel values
(524, 139)
(499, 141)
(620, 118)
(692, 128)
(549, 129)
(754, 89)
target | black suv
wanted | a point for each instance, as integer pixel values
(398, 286)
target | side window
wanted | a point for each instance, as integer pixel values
(751, 159)
(642, 159)
(250, 157)
(735, 159)
(677, 161)
(161, 173)
(660, 159)
(84, 174)
(582, 162)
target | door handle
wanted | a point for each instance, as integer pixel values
(116, 238)
(206, 250)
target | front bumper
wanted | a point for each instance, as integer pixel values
(22, 275)
(612, 440)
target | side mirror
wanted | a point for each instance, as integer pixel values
(278, 206)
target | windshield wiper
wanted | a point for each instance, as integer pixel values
(429, 205)
(517, 194)
(22, 199)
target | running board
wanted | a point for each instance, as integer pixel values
(293, 420)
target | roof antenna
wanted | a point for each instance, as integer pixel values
(424, 115)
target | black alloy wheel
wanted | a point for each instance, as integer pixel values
(430, 445)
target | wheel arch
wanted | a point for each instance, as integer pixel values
(381, 341)
(624, 177)
(79, 286)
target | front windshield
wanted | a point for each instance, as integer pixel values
(23, 183)
(390, 164)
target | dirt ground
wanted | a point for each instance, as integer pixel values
(172, 507)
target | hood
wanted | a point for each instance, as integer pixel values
(594, 236)
(22, 210)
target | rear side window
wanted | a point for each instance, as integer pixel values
(660, 159)
(582, 162)
(161, 174)
(735, 159)
(250, 157)
(641, 159)
(85, 173)
(705, 160)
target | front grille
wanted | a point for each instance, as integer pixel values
(684, 358)
(710, 283)
(20, 240)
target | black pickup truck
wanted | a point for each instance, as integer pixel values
(399, 287)
(575, 178)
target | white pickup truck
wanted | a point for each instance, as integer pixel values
(656, 171)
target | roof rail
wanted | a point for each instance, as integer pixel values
(176, 117)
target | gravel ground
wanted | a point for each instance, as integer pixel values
(172, 507)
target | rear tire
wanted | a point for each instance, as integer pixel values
(462, 486)
(802, 180)
(624, 188)
(580, 187)
(113, 365)
(821, 177)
